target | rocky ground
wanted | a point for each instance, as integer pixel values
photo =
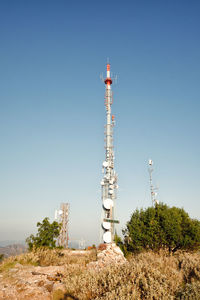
(29, 282)
(22, 282)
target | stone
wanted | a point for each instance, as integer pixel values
(13, 270)
(40, 283)
(18, 265)
(59, 286)
(49, 286)
(111, 254)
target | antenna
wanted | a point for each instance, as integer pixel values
(101, 77)
(115, 79)
(81, 244)
(152, 188)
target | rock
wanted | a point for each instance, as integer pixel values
(59, 286)
(111, 255)
(49, 287)
(40, 283)
(18, 265)
(56, 277)
(37, 273)
(13, 270)
(52, 278)
(31, 283)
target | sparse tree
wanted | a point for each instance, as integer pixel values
(162, 227)
(46, 236)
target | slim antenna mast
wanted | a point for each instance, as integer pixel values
(152, 188)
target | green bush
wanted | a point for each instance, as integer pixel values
(161, 227)
(46, 236)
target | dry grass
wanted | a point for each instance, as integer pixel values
(47, 257)
(144, 276)
(147, 275)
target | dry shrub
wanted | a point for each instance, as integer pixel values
(144, 276)
(56, 257)
(50, 257)
(102, 247)
(58, 295)
(91, 247)
(189, 291)
(7, 264)
(189, 264)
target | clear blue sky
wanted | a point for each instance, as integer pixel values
(52, 111)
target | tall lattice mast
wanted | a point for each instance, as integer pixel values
(62, 216)
(109, 181)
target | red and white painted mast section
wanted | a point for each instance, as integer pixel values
(108, 70)
(108, 80)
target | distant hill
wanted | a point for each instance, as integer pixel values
(11, 242)
(12, 250)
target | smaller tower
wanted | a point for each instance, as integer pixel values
(152, 188)
(62, 216)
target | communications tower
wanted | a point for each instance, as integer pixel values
(109, 181)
